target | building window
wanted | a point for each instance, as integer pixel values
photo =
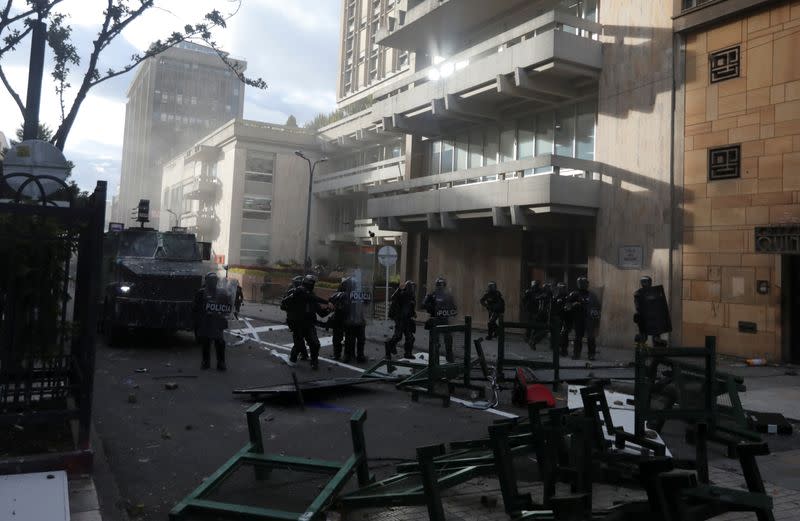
(259, 163)
(724, 163)
(179, 99)
(194, 100)
(584, 133)
(164, 97)
(163, 116)
(256, 207)
(724, 64)
(565, 131)
(255, 242)
(508, 141)
(688, 4)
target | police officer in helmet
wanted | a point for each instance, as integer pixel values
(294, 314)
(494, 303)
(355, 323)
(530, 305)
(212, 307)
(336, 320)
(440, 305)
(403, 311)
(308, 306)
(651, 312)
(584, 310)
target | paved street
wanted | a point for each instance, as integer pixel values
(160, 444)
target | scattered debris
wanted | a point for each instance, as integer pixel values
(141, 370)
(769, 423)
(165, 434)
(170, 386)
(164, 376)
(754, 362)
(144, 460)
(321, 385)
(189, 427)
(132, 398)
(489, 501)
(791, 373)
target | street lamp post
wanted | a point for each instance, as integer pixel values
(311, 167)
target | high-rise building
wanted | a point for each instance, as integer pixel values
(174, 99)
(535, 139)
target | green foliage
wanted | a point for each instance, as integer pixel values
(16, 26)
(321, 120)
(44, 133)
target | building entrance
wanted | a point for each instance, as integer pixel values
(556, 256)
(790, 295)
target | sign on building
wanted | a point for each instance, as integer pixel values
(778, 239)
(630, 257)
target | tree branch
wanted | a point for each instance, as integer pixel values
(11, 91)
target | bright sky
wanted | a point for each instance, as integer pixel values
(291, 44)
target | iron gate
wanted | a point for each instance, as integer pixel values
(49, 285)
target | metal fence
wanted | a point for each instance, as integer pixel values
(48, 311)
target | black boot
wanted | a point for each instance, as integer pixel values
(408, 354)
(220, 349)
(206, 363)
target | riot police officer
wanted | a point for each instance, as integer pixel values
(652, 313)
(561, 317)
(584, 309)
(238, 301)
(212, 306)
(530, 305)
(336, 320)
(403, 311)
(494, 303)
(293, 317)
(308, 306)
(440, 305)
(355, 323)
(542, 316)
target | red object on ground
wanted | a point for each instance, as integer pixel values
(525, 393)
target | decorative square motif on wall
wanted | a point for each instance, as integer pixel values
(724, 163)
(724, 64)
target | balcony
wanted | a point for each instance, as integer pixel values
(428, 19)
(205, 188)
(548, 60)
(508, 194)
(201, 153)
(204, 224)
(360, 178)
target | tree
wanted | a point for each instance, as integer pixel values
(291, 122)
(16, 26)
(44, 133)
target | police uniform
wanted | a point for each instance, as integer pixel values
(336, 320)
(308, 305)
(440, 305)
(652, 312)
(542, 315)
(530, 305)
(355, 323)
(584, 310)
(293, 317)
(560, 317)
(403, 311)
(494, 303)
(212, 306)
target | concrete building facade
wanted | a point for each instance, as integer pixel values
(243, 189)
(526, 155)
(739, 147)
(173, 100)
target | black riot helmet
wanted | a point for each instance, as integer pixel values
(492, 287)
(646, 281)
(561, 289)
(211, 280)
(296, 281)
(441, 282)
(409, 287)
(535, 284)
(309, 281)
(583, 283)
(344, 285)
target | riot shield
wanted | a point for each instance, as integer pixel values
(358, 299)
(653, 311)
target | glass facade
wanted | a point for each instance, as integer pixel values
(568, 131)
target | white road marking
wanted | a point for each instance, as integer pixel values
(328, 340)
(259, 329)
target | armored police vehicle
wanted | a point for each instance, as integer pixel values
(150, 279)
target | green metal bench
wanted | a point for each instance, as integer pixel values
(198, 502)
(503, 362)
